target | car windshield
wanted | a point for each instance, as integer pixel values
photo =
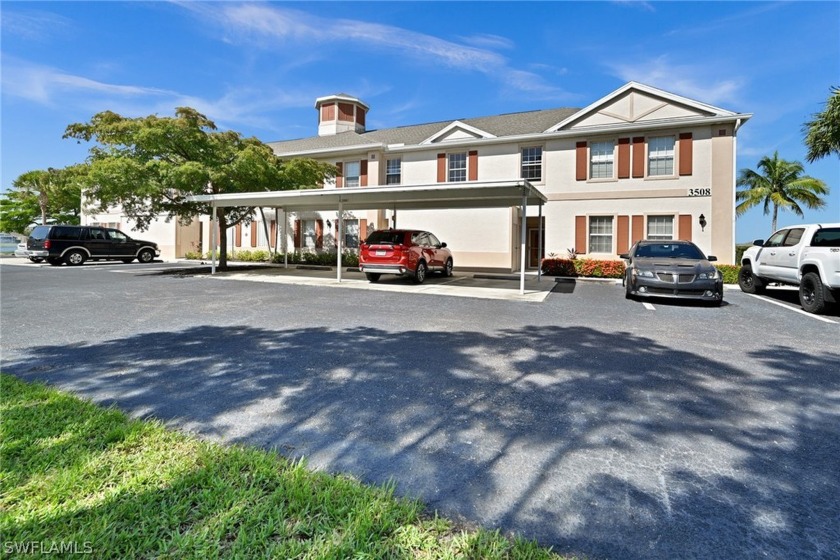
(385, 237)
(669, 251)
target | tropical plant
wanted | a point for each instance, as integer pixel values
(778, 184)
(40, 196)
(823, 133)
(148, 166)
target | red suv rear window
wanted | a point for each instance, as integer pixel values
(385, 237)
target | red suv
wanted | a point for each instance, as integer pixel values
(403, 252)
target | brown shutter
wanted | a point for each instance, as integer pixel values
(328, 112)
(319, 234)
(638, 230)
(685, 227)
(339, 176)
(638, 157)
(253, 234)
(686, 153)
(360, 116)
(362, 230)
(238, 242)
(273, 232)
(623, 234)
(297, 234)
(623, 159)
(345, 112)
(441, 168)
(363, 173)
(580, 234)
(472, 166)
(580, 162)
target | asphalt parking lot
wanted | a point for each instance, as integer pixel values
(596, 425)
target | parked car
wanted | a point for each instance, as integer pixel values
(76, 244)
(672, 269)
(23, 253)
(806, 255)
(403, 252)
(8, 243)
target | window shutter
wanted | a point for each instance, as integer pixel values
(637, 232)
(238, 242)
(297, 234)
(319, 234)
(623, 233)
(580, 162)
(685, 227)
(273, 232)
(253, 234)
(441, 168)
(363, 166)
(638, 157)
(472, 166)
(623, 160)
(339, 176)
(362, 230)
(686, 153)
(580, 234)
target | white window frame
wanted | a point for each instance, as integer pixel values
(606, 231)
(661, 156)
(602, 160)
(391, 173)
(352, 233)
(454, 172)
(350, 179)
(531, 163)
(660, 228)
(307, 234)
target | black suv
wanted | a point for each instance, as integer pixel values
(76, 244)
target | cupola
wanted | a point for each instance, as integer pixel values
(340, 113)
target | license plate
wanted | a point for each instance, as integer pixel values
(380, 253)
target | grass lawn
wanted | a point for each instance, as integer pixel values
(76, 477)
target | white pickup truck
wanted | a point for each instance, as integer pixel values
(807, 256)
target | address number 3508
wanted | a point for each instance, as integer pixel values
(699, 192)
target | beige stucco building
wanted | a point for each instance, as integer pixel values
(637, 163)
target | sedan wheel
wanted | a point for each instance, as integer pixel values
(627, 291)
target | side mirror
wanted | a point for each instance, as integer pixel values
(711, 258)
(443, 245)
(759, 242)
(625, 256)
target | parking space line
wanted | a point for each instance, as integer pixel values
(800, 311)
(648, 306)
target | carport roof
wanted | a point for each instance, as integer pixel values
(474, 194)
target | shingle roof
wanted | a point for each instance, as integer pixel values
(510, 124)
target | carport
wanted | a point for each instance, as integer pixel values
(477, 194)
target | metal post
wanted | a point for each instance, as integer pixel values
(213, 228)
(285, 239)
(539, 248)
(340, 230)
(523, 235)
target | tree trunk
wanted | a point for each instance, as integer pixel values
(775, 215)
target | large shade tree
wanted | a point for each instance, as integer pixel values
(778, 184)
(823, 132)
(42, 196)
(149, 165)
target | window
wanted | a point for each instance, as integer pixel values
(661, 155)
(600, 234)
(826, 237)
(601, 160)
(793, 237)
(393, 171)
(352, 171)
(532, 163)
(307, 229)
(457, 167)
(117, 235)
(351, 234)
(660, 228)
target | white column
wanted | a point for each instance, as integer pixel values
(339, 235)
(539, 248)
(213, 228)
(523, 234)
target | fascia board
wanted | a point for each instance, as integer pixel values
(452, 126)
(358, 148)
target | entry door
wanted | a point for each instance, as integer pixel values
(534, 249)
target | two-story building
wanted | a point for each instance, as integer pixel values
(638, 163)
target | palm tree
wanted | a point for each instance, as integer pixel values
(782, 185)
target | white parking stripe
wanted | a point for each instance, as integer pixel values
(649, 306)
(800, 311)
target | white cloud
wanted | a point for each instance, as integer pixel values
(34, 25)
(697, 82)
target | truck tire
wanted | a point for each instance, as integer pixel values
(750, 283)
(811, 295)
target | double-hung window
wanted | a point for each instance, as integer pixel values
(660, 228)
(661, 155)
(393, 171)
(601, 156)
(352, 172)
(532, 163)
(308, 234)
(457, 167)
(351, 234)
(601, 234)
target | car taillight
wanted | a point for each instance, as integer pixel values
(47, 244)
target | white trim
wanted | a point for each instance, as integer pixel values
(456, 125)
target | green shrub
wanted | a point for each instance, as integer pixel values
(729, 272)
(192, 255)
(558, 267)
(592, 268)
(348, 258)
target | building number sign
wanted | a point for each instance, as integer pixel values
(700, 192)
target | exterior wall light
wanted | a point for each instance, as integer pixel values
(702, 222)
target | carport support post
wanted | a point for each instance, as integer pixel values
(340, 226)
(540, 248)
(522, 238)
(213, 239)
(285, 239)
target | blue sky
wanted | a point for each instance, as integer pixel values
(257, 68)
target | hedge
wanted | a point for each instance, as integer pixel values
(594, 268)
